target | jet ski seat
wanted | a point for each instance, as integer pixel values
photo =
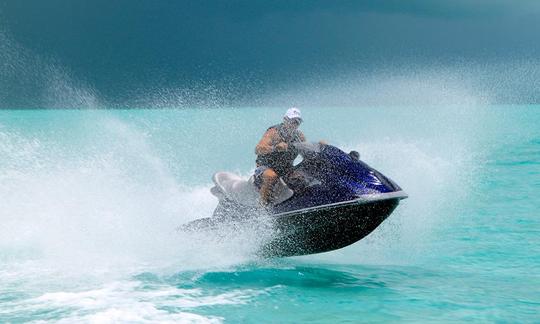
(244, 191)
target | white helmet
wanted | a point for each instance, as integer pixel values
(293, 113)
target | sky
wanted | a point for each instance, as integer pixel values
(121, 49)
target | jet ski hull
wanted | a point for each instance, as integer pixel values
(311, 230)
(326, 229)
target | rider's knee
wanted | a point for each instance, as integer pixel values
(270, 175)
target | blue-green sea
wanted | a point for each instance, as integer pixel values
(90, 201)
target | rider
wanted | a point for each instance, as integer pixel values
(275, 154)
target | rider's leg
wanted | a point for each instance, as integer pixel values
(269, 179)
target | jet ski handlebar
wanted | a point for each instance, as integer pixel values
(306, 148)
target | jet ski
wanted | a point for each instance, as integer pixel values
(331, 199)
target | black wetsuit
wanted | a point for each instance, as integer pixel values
(281, 162)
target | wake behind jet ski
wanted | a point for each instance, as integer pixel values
(332, 199)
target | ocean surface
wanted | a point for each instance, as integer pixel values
(90, 201)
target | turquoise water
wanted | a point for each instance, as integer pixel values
(91, 199)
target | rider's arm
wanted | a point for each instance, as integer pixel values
(265, 145)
